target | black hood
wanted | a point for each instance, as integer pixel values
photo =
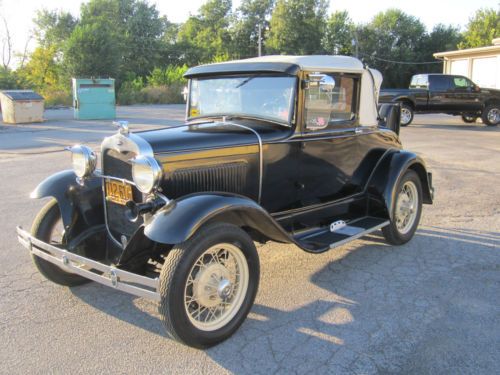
(210, 135)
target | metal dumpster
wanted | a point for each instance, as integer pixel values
(94, 99)
(21, 106)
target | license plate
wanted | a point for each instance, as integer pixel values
(118, 192)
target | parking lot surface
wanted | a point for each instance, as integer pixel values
(430, 306)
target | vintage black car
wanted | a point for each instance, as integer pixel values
(283, 148)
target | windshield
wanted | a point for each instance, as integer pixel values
(268, 97)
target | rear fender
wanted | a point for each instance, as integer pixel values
(80, 205)
(179, 220)
(384, 180)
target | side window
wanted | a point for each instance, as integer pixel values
(419, 82)
(330, 99)
(439, 83)
(461, 83)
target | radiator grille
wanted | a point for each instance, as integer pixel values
(117, 164)
(229, 177)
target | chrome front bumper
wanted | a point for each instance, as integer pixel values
(107, 275)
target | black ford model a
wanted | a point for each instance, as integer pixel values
(283, 148)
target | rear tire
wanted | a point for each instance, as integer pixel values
(44, 228)
(406, 114)
(208, 285)
(406, 211)
(491, 115)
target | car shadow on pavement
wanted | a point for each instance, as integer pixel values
(425, 307)
(125, 307)
(474, 127)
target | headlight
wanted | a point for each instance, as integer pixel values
(83, 160)
(146, 173)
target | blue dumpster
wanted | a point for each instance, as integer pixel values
(94, 99)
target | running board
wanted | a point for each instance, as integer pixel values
(339, 233)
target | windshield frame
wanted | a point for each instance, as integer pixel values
(292, 105)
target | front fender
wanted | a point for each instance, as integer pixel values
(384, 181)
(73, 197)
(178, 221)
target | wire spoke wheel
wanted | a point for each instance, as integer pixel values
(216, 286)
(406, 207)
(208, 285)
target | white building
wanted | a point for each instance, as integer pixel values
(481, 65)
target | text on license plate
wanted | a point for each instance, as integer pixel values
(118, 192)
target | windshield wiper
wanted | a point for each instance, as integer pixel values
(246, 81)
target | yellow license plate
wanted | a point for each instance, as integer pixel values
(118, 192)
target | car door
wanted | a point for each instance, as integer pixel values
(328, 154)
(441, 97)
(466, 98)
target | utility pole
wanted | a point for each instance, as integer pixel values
(260, 39)
(355, 43)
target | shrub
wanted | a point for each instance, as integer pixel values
(168, 76)
(164, 86)
(57, 97)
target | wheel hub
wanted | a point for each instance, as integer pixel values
(212, 285)
(494, 115)
(224, 289)
(405, 116)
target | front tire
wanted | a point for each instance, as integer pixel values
(48, 228)
(491, 115)
(406, 114)
(208, 285)
(406, 211)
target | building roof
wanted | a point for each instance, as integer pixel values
(22, 95)
(281, 64)
(469, 52)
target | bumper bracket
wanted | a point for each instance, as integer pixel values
(125, 281)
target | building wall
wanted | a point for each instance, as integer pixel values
(483, 70)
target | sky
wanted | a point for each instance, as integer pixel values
(19, 13)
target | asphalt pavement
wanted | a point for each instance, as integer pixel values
(427, 307)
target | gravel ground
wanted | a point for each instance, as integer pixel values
(425, 307)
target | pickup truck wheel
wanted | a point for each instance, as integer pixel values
(48, 227)
(208, 285)
(469, 119)
(491, 115)
(406, 114)
(406, 211)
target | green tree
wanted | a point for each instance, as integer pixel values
(339, 33)
(53, 28)
(206, 36)
(245, 31)
(482, 28)
(8, 79)
(392, 42)
(92, 51)
(135, 29)
(42, 71)
(297, 27)
(442, 38)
